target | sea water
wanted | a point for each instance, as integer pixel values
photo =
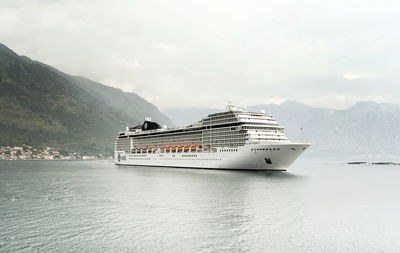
(96, 206)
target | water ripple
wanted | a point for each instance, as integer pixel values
(99, 207)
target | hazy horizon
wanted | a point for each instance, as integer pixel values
(245, 107)
(178, 54)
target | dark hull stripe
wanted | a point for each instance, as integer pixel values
(201, 168)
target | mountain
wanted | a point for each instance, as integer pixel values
(42, 106)
(189, 115)
(365, 130)
(126, 102)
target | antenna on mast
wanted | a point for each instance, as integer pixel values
(148, 117)
(301, 134)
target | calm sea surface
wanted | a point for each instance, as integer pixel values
(96, 206)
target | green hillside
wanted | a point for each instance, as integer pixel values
(41, 106)
(126, 102)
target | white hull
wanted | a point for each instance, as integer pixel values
(261, 156)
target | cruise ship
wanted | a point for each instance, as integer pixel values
(234, 139)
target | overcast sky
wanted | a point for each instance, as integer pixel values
(181, 53)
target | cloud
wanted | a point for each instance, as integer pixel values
(182, 53)
(352, 76)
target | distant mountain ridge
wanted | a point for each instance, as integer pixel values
(365, 130)
(42, 106)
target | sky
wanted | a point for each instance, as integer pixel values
(186, 53)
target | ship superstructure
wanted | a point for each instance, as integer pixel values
(235, 139)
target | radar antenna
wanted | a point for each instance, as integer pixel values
(230, 106)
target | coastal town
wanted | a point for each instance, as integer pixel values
(27, 152)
